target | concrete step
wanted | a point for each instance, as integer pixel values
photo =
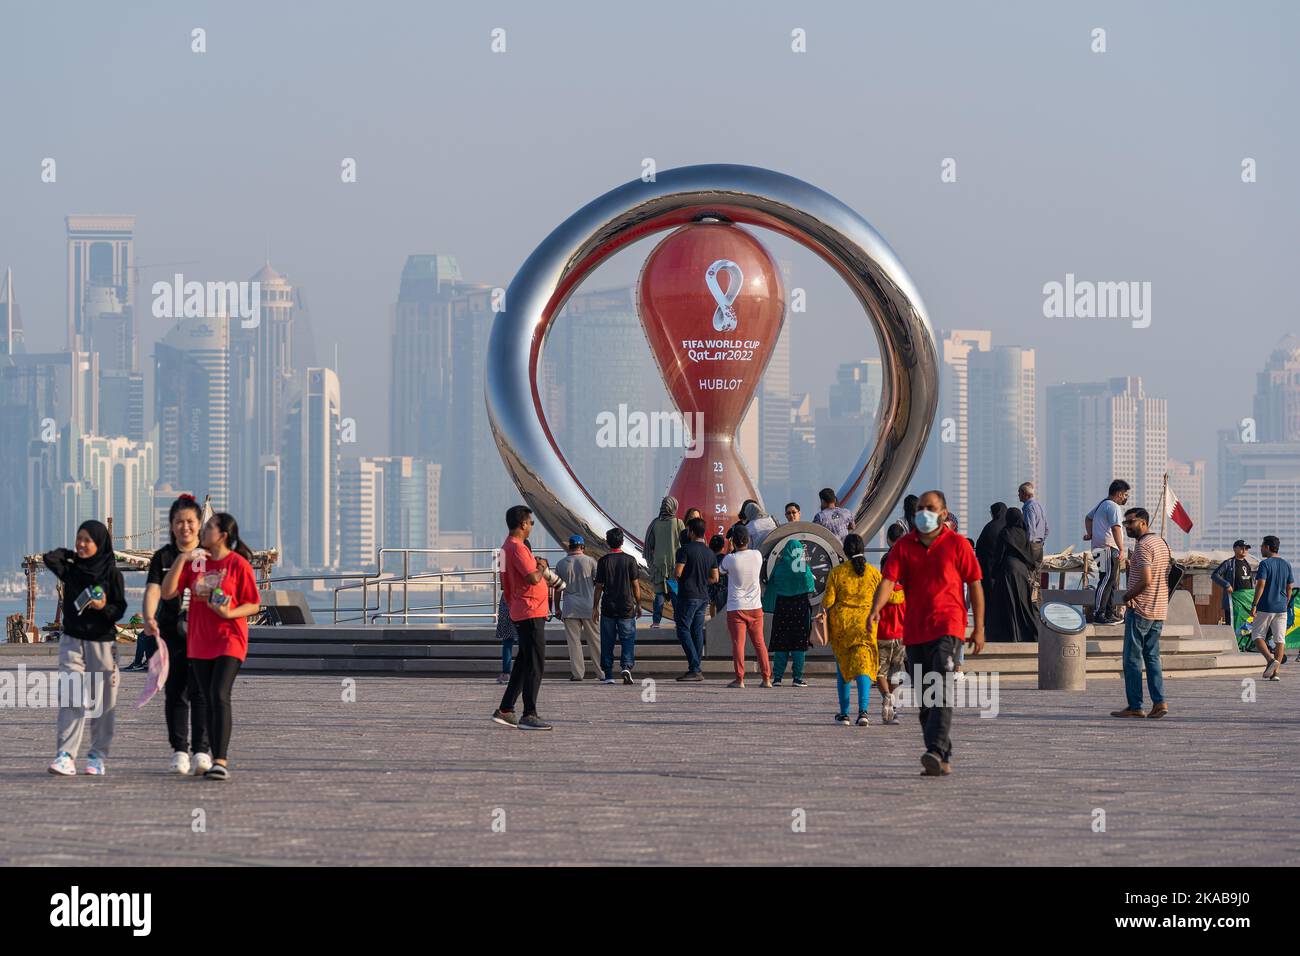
(671, 665)
(448, 634)
(554, 651)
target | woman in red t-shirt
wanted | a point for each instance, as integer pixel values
(223, 595)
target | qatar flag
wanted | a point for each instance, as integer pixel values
(1175, 512)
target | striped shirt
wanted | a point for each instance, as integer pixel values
(1151, 551)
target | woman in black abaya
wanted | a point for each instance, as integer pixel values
(1011, 610)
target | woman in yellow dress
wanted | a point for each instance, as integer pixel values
(847, 602)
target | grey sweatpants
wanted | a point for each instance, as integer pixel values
(87, 658)
(576, 630)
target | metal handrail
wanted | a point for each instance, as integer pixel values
(383, 582)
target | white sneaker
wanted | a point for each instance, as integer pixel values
(180, 762)
(888, 715)
(961, 675)
(64, 766)
(94, 765)
(202, 764)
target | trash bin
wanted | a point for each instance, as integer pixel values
(1062, 648)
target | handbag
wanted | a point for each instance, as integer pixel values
(818, 635)
(1176, 572)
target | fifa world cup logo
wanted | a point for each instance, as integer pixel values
(711, 305)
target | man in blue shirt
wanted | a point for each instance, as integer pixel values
(1035, 518)
(1273, 584)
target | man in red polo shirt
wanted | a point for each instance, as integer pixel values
(524, 585)
(931, 564)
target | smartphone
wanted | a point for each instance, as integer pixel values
(93, 593)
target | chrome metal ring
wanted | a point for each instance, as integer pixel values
(739, 194)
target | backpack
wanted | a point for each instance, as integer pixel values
(1174, 576)
(1176, 572)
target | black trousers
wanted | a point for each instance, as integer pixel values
(217, 678)
(146, 645)
(530, 662)
(934, 663)
(1106, 587)
(184, 701)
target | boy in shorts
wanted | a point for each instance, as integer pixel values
(1273, 585)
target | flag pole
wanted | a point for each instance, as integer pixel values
(1164, 505)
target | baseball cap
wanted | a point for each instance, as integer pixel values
(1240, 544)
(575, 540)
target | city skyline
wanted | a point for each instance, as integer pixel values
(1032, 202)
(983, 382)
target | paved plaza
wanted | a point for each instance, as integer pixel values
(414, 773)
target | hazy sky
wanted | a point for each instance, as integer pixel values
(1117, 166)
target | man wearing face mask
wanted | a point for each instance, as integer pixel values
(931, 564)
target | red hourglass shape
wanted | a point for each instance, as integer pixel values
(711, 304)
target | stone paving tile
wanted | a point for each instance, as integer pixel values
(412, 772)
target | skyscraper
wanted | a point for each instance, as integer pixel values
(118, 475)
(309, 499)
(1277, 394)
(1003, 426)
(268, 493)
(1063, 494)
(805, 469)
(47, 400)
(1097, 433)
(192, 407)
(109, 331)
(476, 488)
(421, 367)
(274, 371)
(845, 427)
(101, 251)
(856, 389)
(598, 352)
(1259, 474)
(11, 318)
(773, 401)
(28, 412)
(360, 509)
(946, 462)
(388, 502)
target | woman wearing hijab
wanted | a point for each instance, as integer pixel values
(987, 546)
(661, 543)
(850, 588)
(758, 523)
(1010, 609)
(786, 599)
(94, 600)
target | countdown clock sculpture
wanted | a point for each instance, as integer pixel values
(711, 304)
